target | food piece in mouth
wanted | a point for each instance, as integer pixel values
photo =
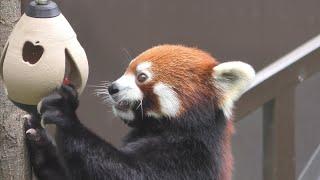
(66, 81)
(123, 105)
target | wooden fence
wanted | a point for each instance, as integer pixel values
(273, 89)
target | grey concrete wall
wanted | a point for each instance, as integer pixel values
(254, 31)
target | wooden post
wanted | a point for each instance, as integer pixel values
(278, 137)
(14, 160)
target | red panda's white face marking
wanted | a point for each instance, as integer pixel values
(168, 100)
(144, 69)
(168, 80)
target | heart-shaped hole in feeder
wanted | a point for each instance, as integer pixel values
(32, 53)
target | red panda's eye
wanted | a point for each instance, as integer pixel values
(142, 77)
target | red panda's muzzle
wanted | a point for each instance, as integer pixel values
(123, 105)
(125, 97)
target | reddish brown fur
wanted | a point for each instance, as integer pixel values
(227, 158)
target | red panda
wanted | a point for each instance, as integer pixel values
(178, 101)
(169, 80)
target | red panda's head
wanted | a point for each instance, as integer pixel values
(167, 80)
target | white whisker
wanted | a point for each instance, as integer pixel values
(102, 92)
(140, 104)
(97, 86)
(141, 110)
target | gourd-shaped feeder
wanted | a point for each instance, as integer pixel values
(41, 53)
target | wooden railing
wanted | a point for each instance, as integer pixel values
(273, 90)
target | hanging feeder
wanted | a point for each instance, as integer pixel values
(41, 53)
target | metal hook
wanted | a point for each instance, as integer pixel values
(42, 2)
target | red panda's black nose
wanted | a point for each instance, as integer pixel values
(113, 89)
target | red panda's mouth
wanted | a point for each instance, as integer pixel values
(123, 105)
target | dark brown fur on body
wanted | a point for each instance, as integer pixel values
(190, 147)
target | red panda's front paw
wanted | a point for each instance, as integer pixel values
(35, 134)
(31, 121)
(59, 107)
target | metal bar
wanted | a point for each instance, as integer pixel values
(289, 70)
(311, 170)
(278, 138)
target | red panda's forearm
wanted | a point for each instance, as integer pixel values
(91, 154)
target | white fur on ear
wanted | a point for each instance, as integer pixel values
(232, 79)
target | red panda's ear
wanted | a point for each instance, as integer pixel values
(232, 79)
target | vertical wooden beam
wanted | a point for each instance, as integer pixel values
(14, 160)
(278, 138)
